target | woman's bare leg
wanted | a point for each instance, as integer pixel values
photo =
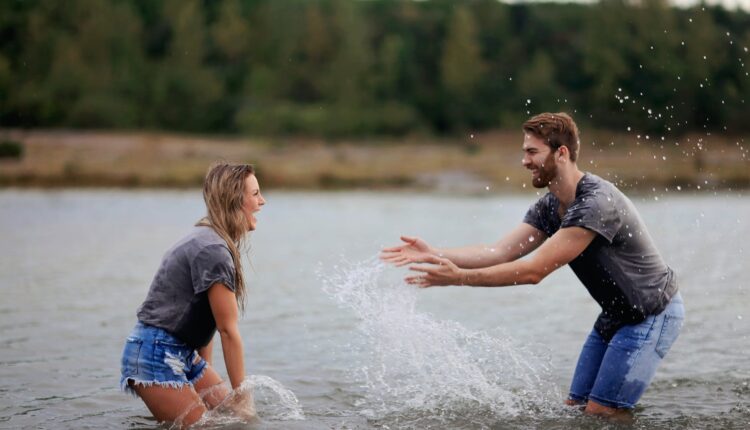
(172, 404)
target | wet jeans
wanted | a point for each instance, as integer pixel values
(616, 373)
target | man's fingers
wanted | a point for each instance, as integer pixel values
(408, 239)
(417, 280)
(424, 269)
(392, 249)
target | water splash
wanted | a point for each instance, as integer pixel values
(427, 371)
(258, 398)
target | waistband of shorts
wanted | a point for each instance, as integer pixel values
(143, 330)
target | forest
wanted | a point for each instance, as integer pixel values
(335, 68)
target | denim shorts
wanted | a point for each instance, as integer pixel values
(153, 356)
(616, 373)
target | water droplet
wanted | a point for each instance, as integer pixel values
(531, 238)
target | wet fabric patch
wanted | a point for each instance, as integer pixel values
(617, 373)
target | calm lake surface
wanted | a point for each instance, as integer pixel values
(335, 340)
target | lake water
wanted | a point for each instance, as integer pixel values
(335, 340)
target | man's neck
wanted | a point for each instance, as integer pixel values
(564, 186)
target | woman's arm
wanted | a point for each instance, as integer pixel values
(224, 308)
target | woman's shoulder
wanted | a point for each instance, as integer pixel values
(203, 239)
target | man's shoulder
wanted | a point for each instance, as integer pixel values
(547, 199)
(593, 186)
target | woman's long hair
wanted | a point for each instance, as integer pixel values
(223, 192)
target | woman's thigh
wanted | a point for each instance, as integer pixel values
(181, 405)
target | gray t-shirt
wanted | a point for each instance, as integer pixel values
(621, 268)
(178, 298)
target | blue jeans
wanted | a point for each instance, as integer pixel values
(153, 356)
(616, 373)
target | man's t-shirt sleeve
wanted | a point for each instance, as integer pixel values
(533, 215)
(594, 211)
(538, 216)
(212, 265)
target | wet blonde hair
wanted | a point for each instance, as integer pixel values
(223, 192)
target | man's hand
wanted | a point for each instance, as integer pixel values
(441, 271)
(412, 251)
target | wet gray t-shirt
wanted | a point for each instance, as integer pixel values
(178, 298)
(621, 268)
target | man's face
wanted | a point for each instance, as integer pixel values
(539, 158)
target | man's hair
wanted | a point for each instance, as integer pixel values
(556, 130)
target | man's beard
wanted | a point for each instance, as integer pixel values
(547, 172)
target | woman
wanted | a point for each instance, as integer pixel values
(198, 289)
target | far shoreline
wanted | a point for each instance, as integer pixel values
(475, 164)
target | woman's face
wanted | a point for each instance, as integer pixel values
(252, 201)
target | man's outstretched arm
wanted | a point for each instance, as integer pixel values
(519, 242)
(560, 249)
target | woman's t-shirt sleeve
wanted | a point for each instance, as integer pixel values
(212, 265)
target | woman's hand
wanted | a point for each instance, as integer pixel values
(441, 271)
(240, 404)
(411, 251)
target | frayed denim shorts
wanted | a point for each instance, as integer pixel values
(616, 373)
(153, 356)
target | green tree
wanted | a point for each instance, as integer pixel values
(461, 67)
(185, 91)
(537, 84)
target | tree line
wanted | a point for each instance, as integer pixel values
(357, 68)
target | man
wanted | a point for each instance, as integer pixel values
(586, 222)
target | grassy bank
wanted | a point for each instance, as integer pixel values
(58, 158)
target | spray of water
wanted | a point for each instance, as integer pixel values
(418, 367)
(258, 398)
